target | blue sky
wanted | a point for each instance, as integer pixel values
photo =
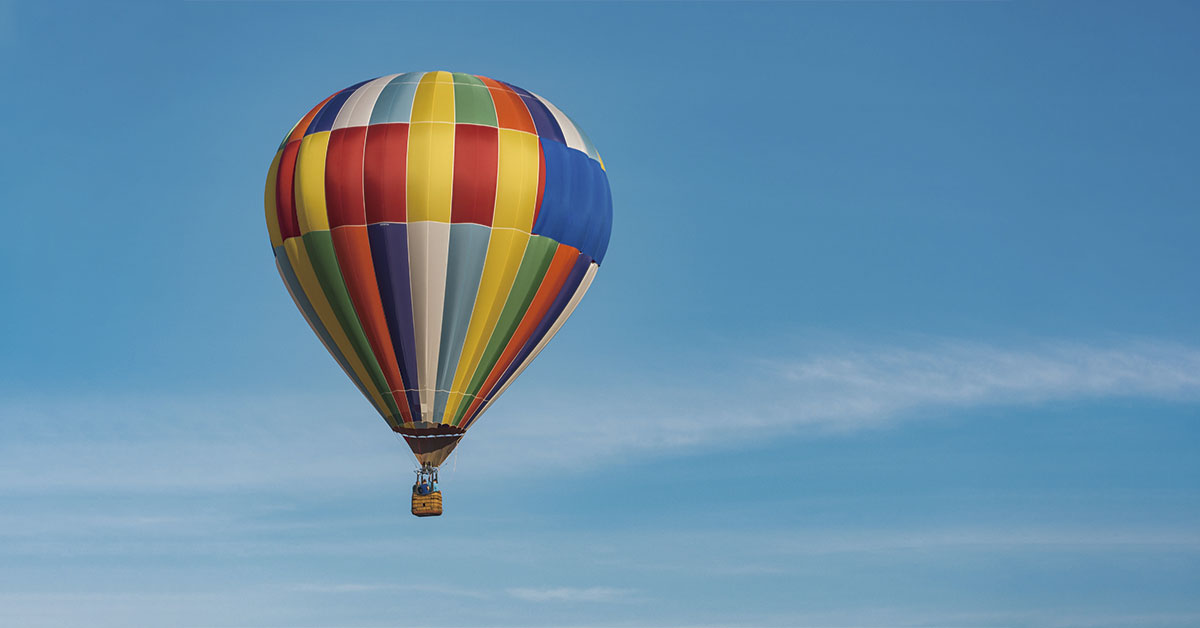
(899, 325)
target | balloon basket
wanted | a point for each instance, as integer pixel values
(427, 505)
(426, 498)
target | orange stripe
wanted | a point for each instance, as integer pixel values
(511, 112)
(302, 125)
(552, 283)
(353, 250)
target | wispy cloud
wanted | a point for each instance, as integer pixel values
(847, 390)
(569, 594)
(381, 587)
(206, 442)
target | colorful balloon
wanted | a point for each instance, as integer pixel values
(436, 229)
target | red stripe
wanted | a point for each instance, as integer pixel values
(511, 112)
(285, 191)
(476, 157)
(353, 250)
(344, 177)
(385, 172)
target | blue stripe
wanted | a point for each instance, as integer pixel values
(395, 101)
(468, 249)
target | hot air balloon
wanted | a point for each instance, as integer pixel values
(436, 230)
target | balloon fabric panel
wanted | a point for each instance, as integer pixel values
(468, 250)
(435, 230)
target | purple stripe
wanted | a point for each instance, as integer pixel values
(323, 121)
(389, 252)
(543, 120)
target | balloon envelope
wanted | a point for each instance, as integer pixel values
(436, 229)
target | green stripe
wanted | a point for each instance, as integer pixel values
(472, 101)
(538, 255)
(324, 261)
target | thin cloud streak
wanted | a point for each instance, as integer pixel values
(229, 443)
(844, 392)
(569, 594)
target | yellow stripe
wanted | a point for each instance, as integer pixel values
(298, 256)
(269, 201)
(434, 100)
(506, 247)
(310, 183)
(430, 171)
(516, 180)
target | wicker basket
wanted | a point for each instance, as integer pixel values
(427, 505)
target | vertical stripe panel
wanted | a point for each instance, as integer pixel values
(517, 180)
(511, 112)
(344, 177)
(430, 171)
(428, 245)
(475, 163)
(472, 101)
(385, 173)
(434, 100)
(468, 249)
(285, 191)
(310, 183)
(389, 253)
(505, 250)
(396, 99)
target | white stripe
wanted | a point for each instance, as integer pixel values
(570, 133)
(558, 323)
(357, 110)
(428, 255)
